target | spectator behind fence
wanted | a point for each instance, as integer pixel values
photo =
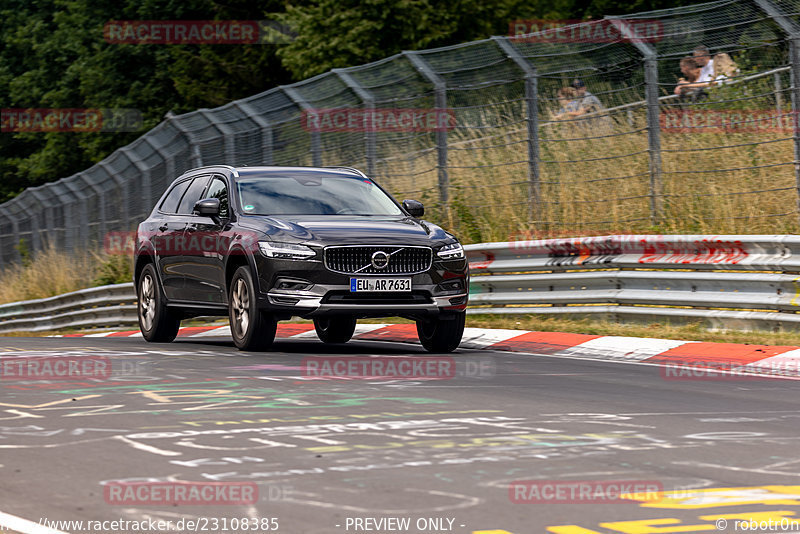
(587, 102)
(690, 87)
(724, 68)
(703, 58)
(568, 102)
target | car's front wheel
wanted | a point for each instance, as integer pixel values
(442, 334)
(156, 321)
(335, 329)
(251, 328)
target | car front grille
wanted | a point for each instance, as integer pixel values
(358, 259)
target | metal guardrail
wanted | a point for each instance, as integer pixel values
(733, 281)
(95, 307)
(730, 281)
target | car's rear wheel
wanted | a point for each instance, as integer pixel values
(251, 328)
(442, 334)
(156, 321)
(335, 329)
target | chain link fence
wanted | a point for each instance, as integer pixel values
(510, 163)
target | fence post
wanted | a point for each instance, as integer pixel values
(146, 191)
(440, 102)
(316, 142)
(197, 156)
(794, 54)
(47, 215)
(778, 95)
(793, 31)
(80, 193)
(369, 106)
(13, 254)
(653, 121)
(228, 138)
(264, 124)
(122, 187)
(36, 243)
(532, 123)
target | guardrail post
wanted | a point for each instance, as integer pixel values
(264, 124)
(369, 107)
(532, 123)
(440, 102)
(653, 121)
(793, 30)
(316, 141)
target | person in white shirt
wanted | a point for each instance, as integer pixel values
(703, 58)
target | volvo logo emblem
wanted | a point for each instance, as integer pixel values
(380, 260)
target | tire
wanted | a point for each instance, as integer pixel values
(335, 329)
(442, 334)
(252, 329)
(157, 323)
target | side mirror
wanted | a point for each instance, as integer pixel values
(208, 207)
(414, 208)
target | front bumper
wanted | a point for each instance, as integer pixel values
(328, 293)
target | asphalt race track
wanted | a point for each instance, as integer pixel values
(329, 455)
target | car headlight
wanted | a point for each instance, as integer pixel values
(453, 251)
(286, 251)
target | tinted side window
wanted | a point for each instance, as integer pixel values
(170, 204)
(217, 189)
(192, 195)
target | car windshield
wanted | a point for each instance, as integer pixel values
(305, 193)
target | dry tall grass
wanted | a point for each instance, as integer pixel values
(51, 272)
(594, 180)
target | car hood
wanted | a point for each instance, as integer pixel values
(346, 229)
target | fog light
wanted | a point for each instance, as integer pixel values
(292, 284)
(452, 285)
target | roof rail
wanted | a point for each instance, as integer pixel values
(229, 167)
(351, 169)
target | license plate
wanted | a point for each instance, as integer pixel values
(358, 285)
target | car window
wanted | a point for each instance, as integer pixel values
(308, 193)
(170, 204)
(192, 195)
(219, 190)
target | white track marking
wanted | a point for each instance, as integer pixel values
(624, 348)
(220, 331)
(481, 338)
